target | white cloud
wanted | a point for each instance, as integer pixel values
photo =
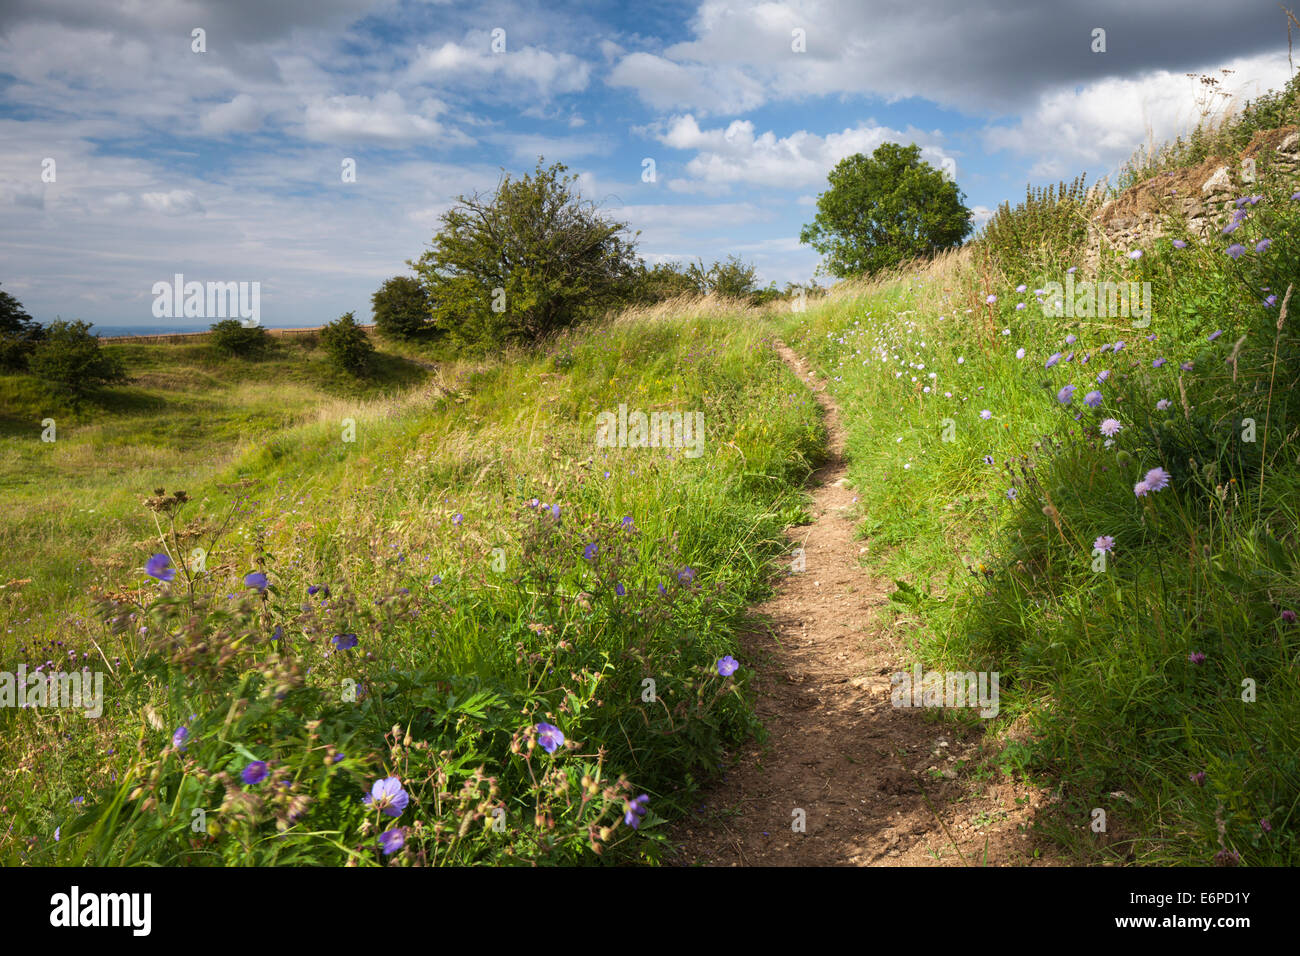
(241, 115)
(177, 202)
(384, 118)
(734, 154)
(547, 73)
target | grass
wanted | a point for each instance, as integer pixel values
(427, 508)
(984, 494)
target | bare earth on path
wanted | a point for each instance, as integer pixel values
(876, 783)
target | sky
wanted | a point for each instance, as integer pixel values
(710, 126)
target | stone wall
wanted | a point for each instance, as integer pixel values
(1202, 196)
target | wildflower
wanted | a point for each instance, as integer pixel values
(1092, 399)
(1158, 363)
(627, 521)
(727, 666)
(1295, 195)
(1270, 301)
(1020, 306)
(387, 795)
(1065, 395)
(1020, 353)
(344, 641)
(986, 414)
(1288, 616)
(1186, 366)
(991, 299)
(392, 840)
(1135, 254)
(1102, 376)
(1179, 244)
(1011, 494)
(1231, 227)
(1140, 489)
(1263, 244)
(457, 518)
(436, 579)
(988, 459)
(1071, 339)
(1196, 657)
(1162, 404)
(255, 579)
(277, 634)
(1226, 857)
(317, 588)
(961, 360)
(159, 567)
(1197, 778)
(1022, 287)
(178, 739)
(590, 551)
(636, 809)
(1071, 270)
(1056, 357)
(555, 512)
(1157, 479)
(1006, 331)
(1104, 543)
(1214, 335)
(1236, 250)
(1265, 825)
(686, 575)
(1118, 345)
(1110, 427)
(549, 736)
(254, 773)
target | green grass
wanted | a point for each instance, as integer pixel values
(463, 646)
(1094, 658)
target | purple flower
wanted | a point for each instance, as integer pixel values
(1270, 301)
(627, 521)
(1179, 244)
(636, 809)
(1020, 353)
(1104, 543)
(1071, 339)
(1236, 250)
(1157, 479)
(254, 773)
(1140, 489)
(686, 575)
(457, 518)
(278, 633)
(387, 796)
(1197, 778)
(1214, 335)
(988, 459)
(1157, 363)
(315, 588)
(1102, 376)
(549, 736)
(619, 589)
(1288, 616)
(344, 641)
(1022, 287)
(255, 579)
(727, 666)
(590, 551)
(159, 567)
(986, 414)
(1196, 657)
(1186, 366)
(1011, 494)
(555, 512)
(1056, 357)
(1232, 227)
(1263, 244)
(178, 739)
(991, 299)
(1092, 399)
(1110, 427)
(392, 840)
(1020, 306)
(1065, 395)
(1162, 404)
(1135, 254)
(1071, 270)
(1118, 345)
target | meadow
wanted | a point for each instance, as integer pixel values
(429, 621)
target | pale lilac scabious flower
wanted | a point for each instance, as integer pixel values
(1092, 399)
(1162, 404)
(1104, 543)
(1110, 427)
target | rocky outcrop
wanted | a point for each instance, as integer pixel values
(1201, 196)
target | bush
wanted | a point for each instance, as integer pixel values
(19, 334)
(884, 209)
(733, 279)
(401, 309)
(531, 260)
(234, 338)
(347, 344)
(1041, 232)
(69, 358)
(666, 280)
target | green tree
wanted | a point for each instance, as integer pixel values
(401, 308)
(346, 343)
(666, 280)
(885, 209)
(234, 338)
(19, 334)
(69, 358)
(532, 258)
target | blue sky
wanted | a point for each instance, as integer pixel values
(225, 165)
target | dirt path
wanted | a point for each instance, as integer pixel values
(876, 783)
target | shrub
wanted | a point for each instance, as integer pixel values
(347, 344)
(234, 338)
(532, 259)
(1042, 231)
(69, 358)
(401, 309)
(733, 279)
